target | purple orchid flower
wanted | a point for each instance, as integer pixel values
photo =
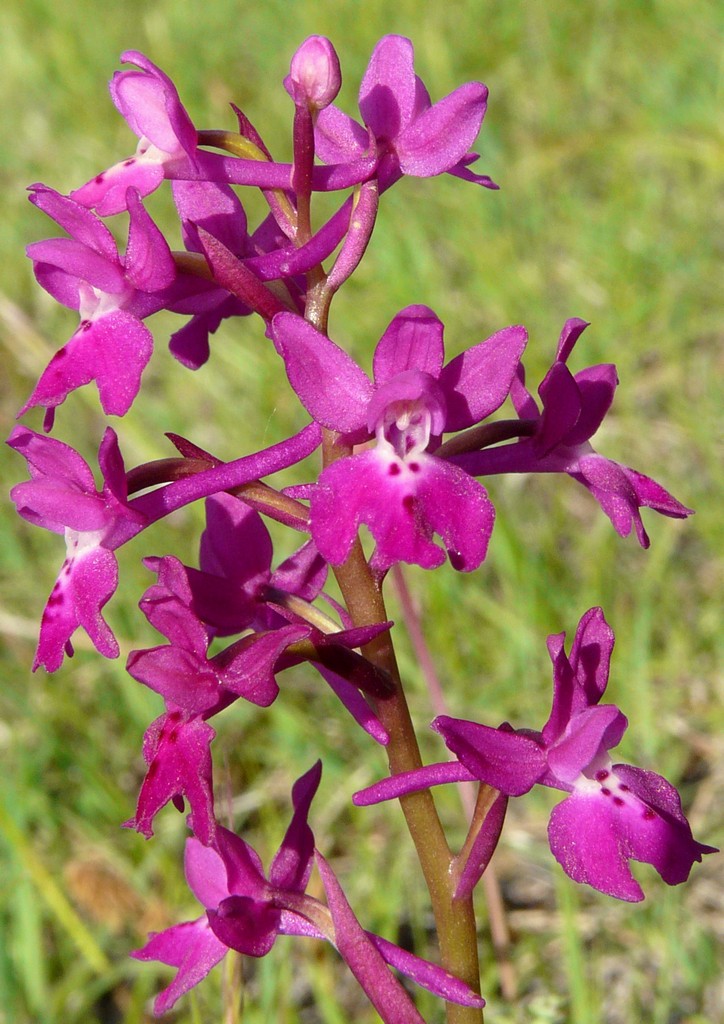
(168, 147)
(231, 589)
(614, 813)
(212, 215)
(573, 408)
(235, 591)
(246, 911)
(189, 607)
(112, 295)
(61, 496)
(411, 135)
(149, 102)
(399, 488)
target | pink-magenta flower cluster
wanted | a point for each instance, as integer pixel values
(406, 445)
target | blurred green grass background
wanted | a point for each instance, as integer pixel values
(601, 130)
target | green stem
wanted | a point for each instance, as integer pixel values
(455, 922)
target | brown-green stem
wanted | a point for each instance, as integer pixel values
(455, 922)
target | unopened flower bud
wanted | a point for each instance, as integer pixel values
(314, 75)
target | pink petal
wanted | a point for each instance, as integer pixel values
(205, 873)
(662, 838)
(585, 840)
(388, 93)
(86, 583)
(477, 381)
(176, 750)
(75, 258)
(505, 760)
(438, 139)
(591, 656)
(107, 193)
(112, 350)
(330, 385)
(148, 262)
(79, 222)
(292, 864)
(236, 543)
(338, 138)
(193, 948)
(573, 328)
(412, 341)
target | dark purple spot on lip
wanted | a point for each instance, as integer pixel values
(408, 502)
(85, 326)
(624, 788)
(605, 790)
(394, 469)
(648, 814)
(603, 774)
(414, 467)
(619, 801)
(130, 162)
(99, 179)
(174, 716)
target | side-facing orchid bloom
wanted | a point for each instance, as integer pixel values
(149, 102)
(168, 147)
(112, 294)
(399, 488)
(412, 135)
(613, 813)
(246, 911)
(61, 496)
(573, 408)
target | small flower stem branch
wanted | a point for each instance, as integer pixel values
(237, 145)
(257, 495)
(475, 811)
(455, 921)
(302, 172)
(484, 435)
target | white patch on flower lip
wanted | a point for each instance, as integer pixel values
(404, 429)
(600, 780)
(95, 303)
(79, 543)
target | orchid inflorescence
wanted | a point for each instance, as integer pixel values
(402, 450)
